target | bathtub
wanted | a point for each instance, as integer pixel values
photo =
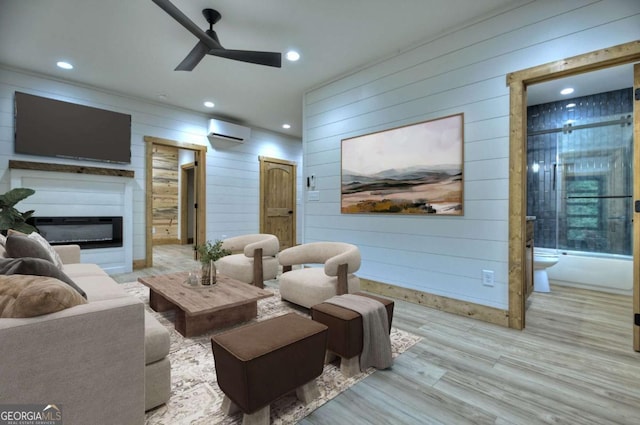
(595, 272)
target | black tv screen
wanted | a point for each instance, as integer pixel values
(49, 127)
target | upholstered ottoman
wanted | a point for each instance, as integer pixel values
(345, 331)
(258, 363)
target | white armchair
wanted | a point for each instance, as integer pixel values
(253, 258)
(313, 285)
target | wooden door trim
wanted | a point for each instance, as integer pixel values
(518, 83)
(200, 152)
(184, 208)
(263, 160)
(636, 217)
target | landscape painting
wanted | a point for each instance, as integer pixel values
(416, 169)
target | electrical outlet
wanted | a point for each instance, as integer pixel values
(487, 277)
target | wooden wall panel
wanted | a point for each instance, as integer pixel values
(165, 191)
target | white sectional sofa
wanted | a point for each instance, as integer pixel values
(103, 362)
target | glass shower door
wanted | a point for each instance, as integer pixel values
(594, 182)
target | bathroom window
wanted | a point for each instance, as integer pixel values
(583, 223)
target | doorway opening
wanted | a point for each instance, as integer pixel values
(580, 164)
(187, 203)
(175, 196)
(518, 83)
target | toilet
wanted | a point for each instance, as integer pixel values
(541, 262)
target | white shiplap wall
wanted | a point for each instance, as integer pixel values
(233, 177)
(462, 71)
(232, 174)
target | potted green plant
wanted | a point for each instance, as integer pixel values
(209, 253)
(11, 218)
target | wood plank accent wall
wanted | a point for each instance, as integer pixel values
(165, 191)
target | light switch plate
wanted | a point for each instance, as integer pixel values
(487, 277)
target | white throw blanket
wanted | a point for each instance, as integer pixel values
(376, 344)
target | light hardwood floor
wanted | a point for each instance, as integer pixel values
(573, 364)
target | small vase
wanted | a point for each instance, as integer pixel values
(208, 273)
(214, 273)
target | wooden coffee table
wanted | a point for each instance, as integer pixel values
(203, 308)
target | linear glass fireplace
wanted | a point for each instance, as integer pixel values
(88, 232)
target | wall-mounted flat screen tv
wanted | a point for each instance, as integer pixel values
(54, 128)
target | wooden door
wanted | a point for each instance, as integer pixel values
(636, 214)
(278, 200)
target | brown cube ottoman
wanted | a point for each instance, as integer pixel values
(345, 331)
(258, 363)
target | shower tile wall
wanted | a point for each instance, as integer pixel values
(542, 150)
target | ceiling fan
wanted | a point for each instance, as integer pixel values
(209, 44)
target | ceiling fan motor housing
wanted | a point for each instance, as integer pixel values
(212, 16)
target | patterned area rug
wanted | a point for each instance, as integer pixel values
(195, 396)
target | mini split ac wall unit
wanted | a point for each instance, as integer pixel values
(222, 130)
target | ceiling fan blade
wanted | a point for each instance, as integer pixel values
(261, 58)
(183, 20)
(193, 58)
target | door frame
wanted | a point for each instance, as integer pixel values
(518, 83)
(262, 160)
(200, 156)
(184, 208)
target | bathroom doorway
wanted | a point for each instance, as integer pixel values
(520, 82)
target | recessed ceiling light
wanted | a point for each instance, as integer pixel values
(292, 55)
(64, 65)
(286, 126)
(566, 91)
(209, 104)
(571, 105)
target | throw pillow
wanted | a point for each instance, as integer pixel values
(29, 296)
(19, 246)
(3, 239)
(15, 232)
(55, 258)
(38, 267)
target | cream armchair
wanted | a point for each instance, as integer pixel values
(313, 285)
(253, 260)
